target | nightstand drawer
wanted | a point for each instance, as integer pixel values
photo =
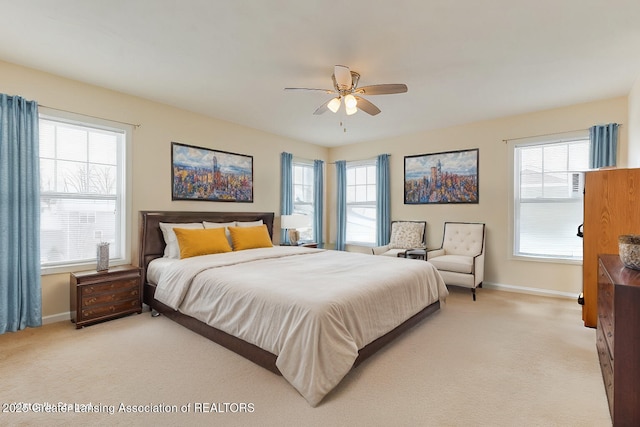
(110, 287)
(119, 308)
(103, 298)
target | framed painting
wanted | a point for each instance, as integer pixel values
(448, 177)
(199, 173)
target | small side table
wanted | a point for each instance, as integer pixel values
(302, 245)
(414, 254)
(102, 295)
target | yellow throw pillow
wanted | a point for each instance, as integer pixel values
(194, 242)
(250, 237)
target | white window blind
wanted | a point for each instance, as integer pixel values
(548, 197)
(361, 203)
(82, 192)
(303, 195)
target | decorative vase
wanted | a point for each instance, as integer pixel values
(102, 256)
(629, 249)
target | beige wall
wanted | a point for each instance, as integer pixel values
(634, 125)
(160, 124)
(494, 180)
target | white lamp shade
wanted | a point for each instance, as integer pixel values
(334, 105)
(350, 101)
(295, 221)
(351, 110)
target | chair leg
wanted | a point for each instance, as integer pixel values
(473, 291)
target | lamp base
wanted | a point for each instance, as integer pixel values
(294, 236)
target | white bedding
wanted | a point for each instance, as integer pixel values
(156, 267)
(313, 309)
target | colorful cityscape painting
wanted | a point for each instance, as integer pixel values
(203, 174)
(448, 177)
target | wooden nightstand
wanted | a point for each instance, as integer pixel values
(302, 245)
(102, 295)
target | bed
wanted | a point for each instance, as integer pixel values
(308, 314)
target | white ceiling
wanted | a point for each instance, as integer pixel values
(463, 61)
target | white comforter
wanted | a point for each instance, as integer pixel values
(313, 309)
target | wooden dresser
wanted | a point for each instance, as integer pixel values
(618, 338)
(611, 208)
(101, 295)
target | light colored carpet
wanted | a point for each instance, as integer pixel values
(505, 360)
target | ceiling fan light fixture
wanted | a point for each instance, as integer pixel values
(350, 101)
(334, 105)
(343, 77)
(345, 85)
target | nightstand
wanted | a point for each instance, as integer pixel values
(302, 245)
(95, 296)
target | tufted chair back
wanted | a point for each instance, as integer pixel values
(463, 238)
(460, 260)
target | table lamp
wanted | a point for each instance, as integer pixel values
(292, 223)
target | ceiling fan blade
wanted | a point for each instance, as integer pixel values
(329, 91)
(343, 77)
(322, 109)
(385, 89)
(367, 106)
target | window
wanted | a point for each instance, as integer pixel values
(361, 203)
(548, 196)
(82, 191)
(303, 195)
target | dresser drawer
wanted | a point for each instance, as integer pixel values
(118, 308)
(606, 366)
(606, 314)
(605, 297)
(604, 351)
(107, 297)
(109, 287)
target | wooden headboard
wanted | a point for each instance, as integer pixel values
(151, 239)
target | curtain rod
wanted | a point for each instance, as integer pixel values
(549, 134)
(93, 117)
(359, 160)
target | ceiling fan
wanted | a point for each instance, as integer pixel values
(345, 86)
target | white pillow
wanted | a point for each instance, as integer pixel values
(249, 223)
(172, 250)
(208, 224)
(226, 226)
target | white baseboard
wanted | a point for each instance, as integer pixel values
(56, 318)
(530, 291)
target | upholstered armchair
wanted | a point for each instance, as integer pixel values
(404, 235)
(460, 260)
